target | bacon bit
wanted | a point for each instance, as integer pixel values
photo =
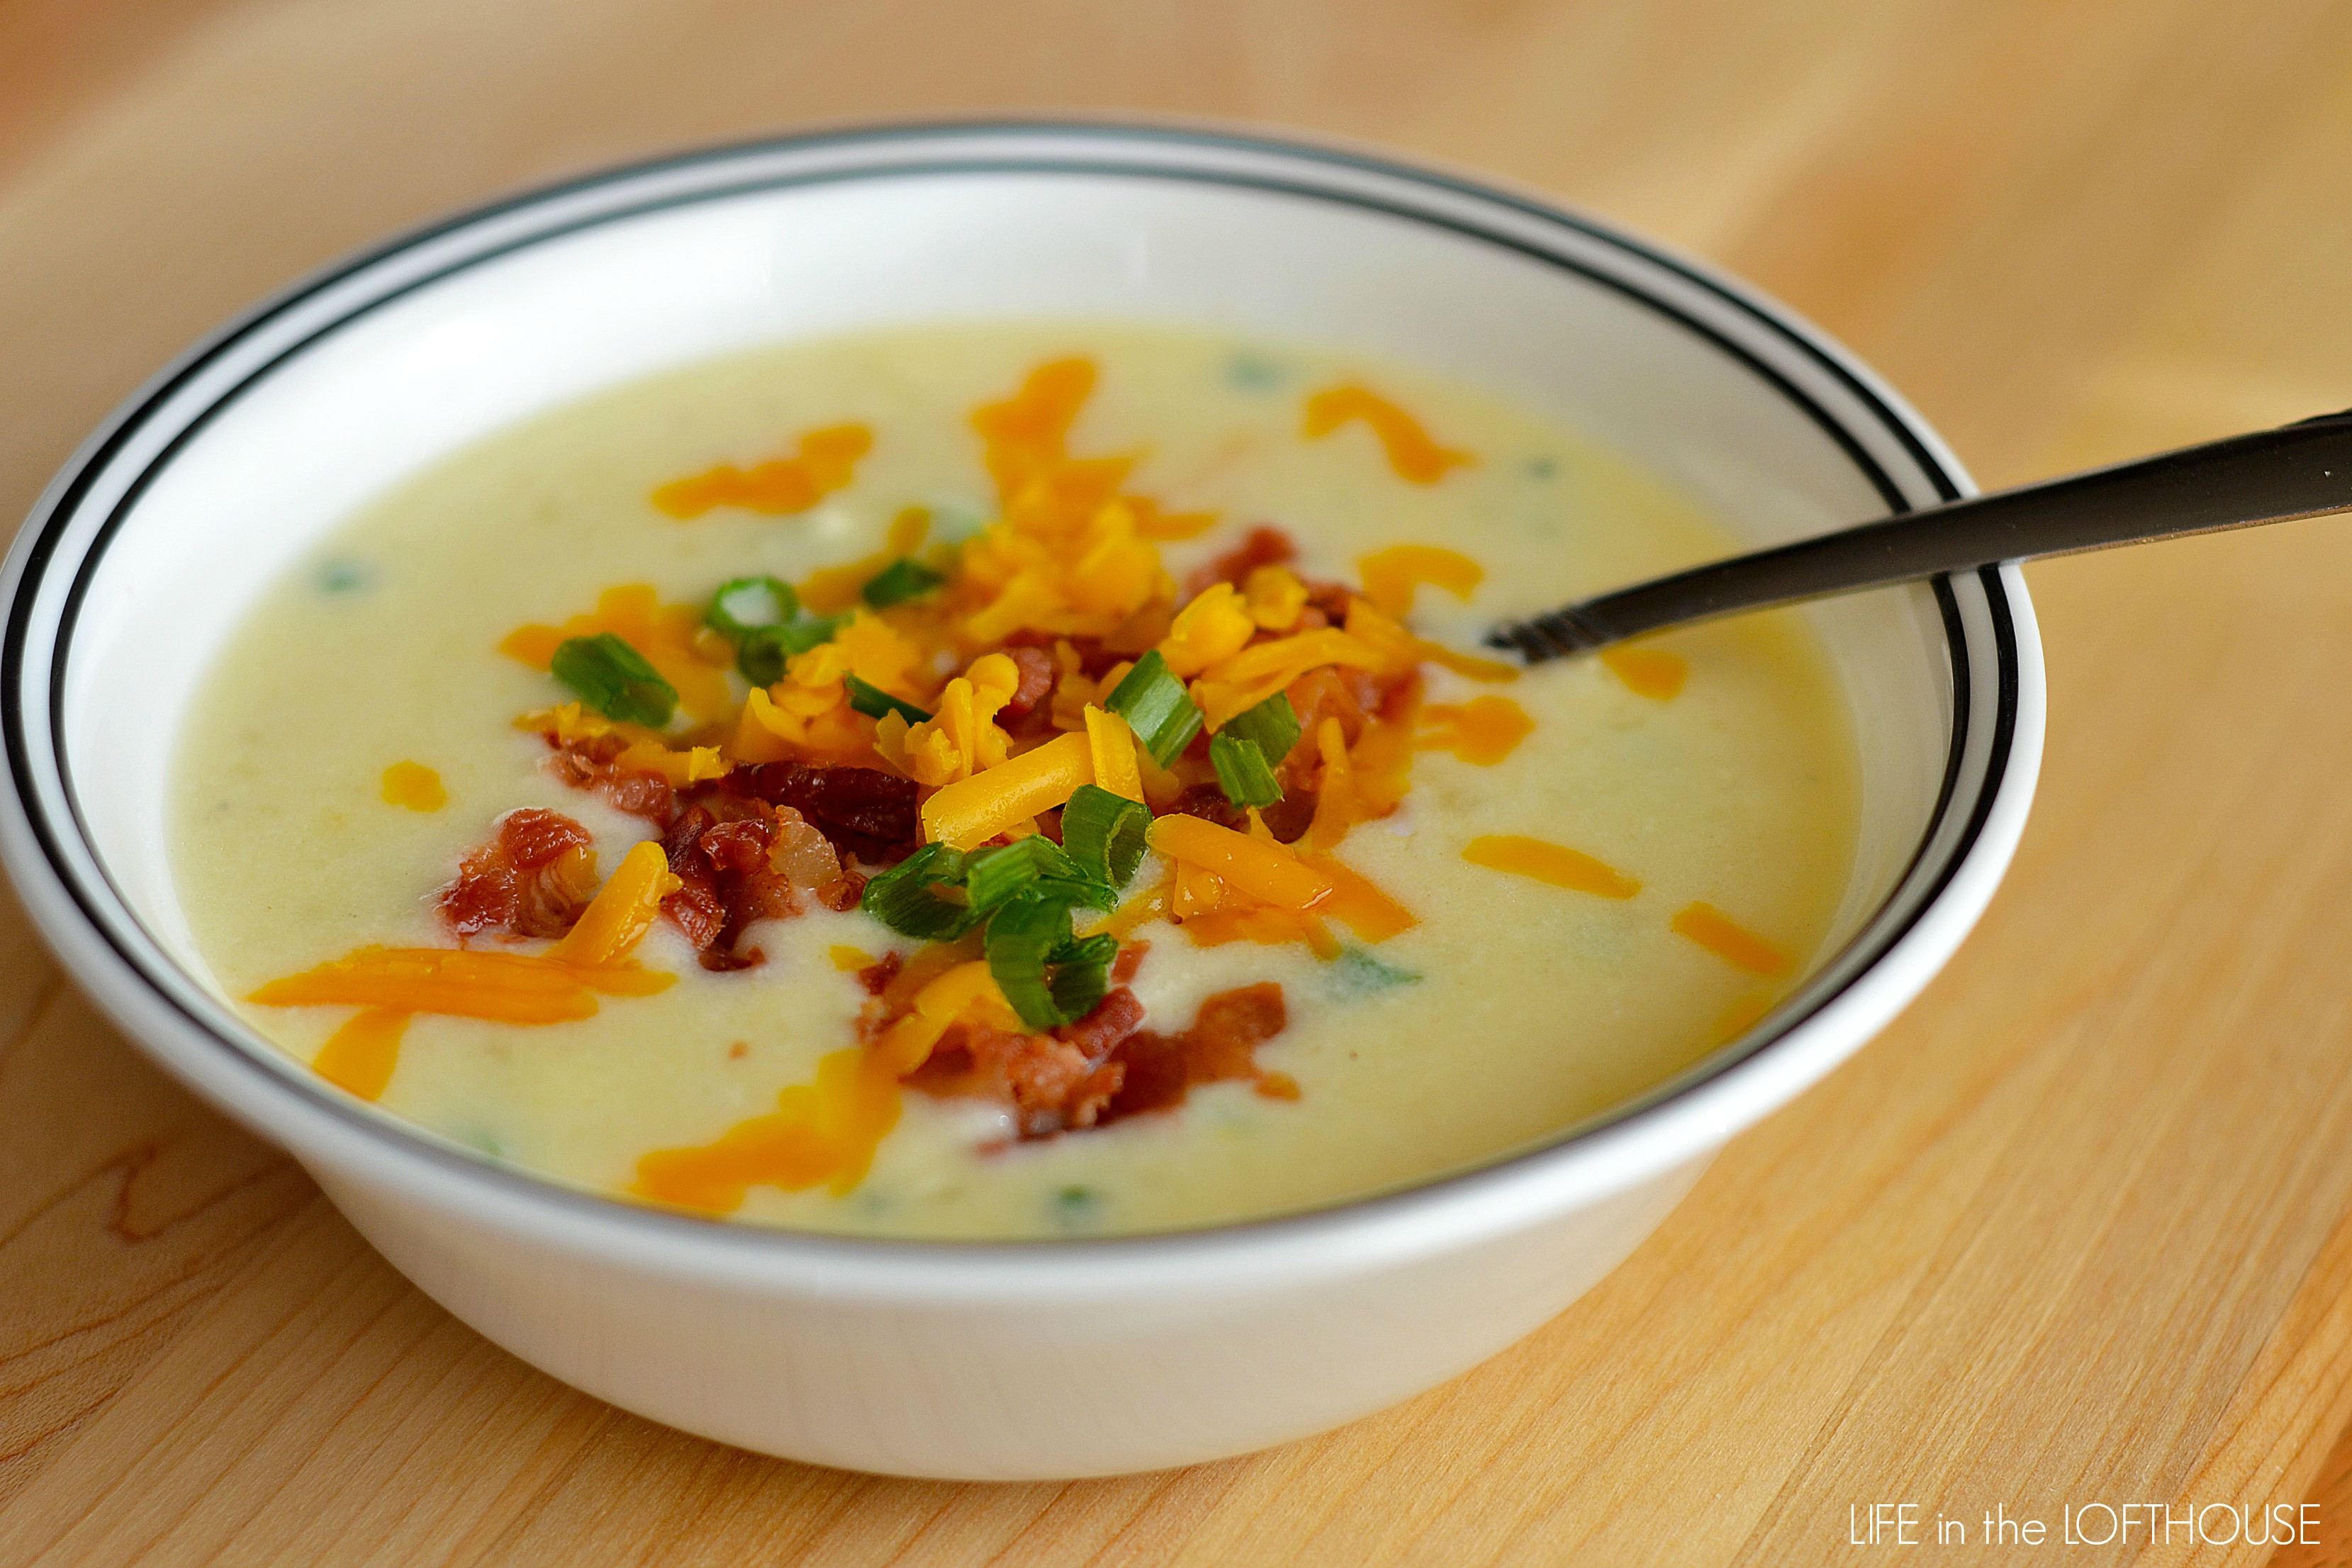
(1037, 672)
(1055, 1083)
(843, 894)
(1221, 1045)
(876, 977)
(591, 763)
(863, 812)
(741, 861)
(1264, 547)
(1208, 801)
(531, 879)
(1129, 960)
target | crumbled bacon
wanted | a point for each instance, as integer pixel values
(1209, 803)
(843, 894)
(864, 810)
(876, 977)
(588, 761)
(1129, 960)
(1264, 547)
(1037, 676)
(1222, 1044)
(1095, 660)
(1058, 1083)
(740, 860)
(531, 879)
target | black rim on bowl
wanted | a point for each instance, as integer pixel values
(54, 558)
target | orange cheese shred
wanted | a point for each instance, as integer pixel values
(825, 461)
(1416, 458)
(359, 1058)
(825, 1130)
(414, 786)
(551, 987)
(971, 811)
(1547, 862)
(502, 987)
(1647, 672)
(1481, 731)
(1391, 577)
(621, 913)
(1729, 941)
(1270, 873)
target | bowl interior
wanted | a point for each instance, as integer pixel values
(442, 341)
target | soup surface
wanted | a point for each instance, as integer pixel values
(481, 814)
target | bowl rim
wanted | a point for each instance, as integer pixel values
(1676, 1124)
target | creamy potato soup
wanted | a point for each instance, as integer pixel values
(1014, 781)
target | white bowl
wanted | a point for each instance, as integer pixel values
(1059, 1359)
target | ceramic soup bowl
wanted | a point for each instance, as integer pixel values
(1004, 1360)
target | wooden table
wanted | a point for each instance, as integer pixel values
(2078, 1229)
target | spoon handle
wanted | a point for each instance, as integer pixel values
(2297, 471)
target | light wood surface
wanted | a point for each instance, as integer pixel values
(2077, 1229)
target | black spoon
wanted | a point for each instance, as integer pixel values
(2298, 471)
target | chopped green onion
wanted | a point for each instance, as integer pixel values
(904, 579)
(1082, 974)
(903, 898)
(874, 702)
(614, 679)
(1103, 833)
(1048, 975)
(1019, 936)
(765, 648)
(1272, 726)
(995, 877)
(1157, 708)
(1242, 771)
(750, 603)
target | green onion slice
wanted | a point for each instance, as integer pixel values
(1082, 974)
(874, 702)
(750, 603)
(905, 899)
(1048, 975)
(999, 876)
(1103, 833)
(764, 649)
(1242, 771)
(1272, 726)
(904, 579)
(614, 679)
(1157, 708)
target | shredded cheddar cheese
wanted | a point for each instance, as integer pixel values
(825, 461)
(1729, 941)
(1548, 862)
(414, 786)
(1410, 451)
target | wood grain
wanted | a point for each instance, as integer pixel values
(2077, 1229)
